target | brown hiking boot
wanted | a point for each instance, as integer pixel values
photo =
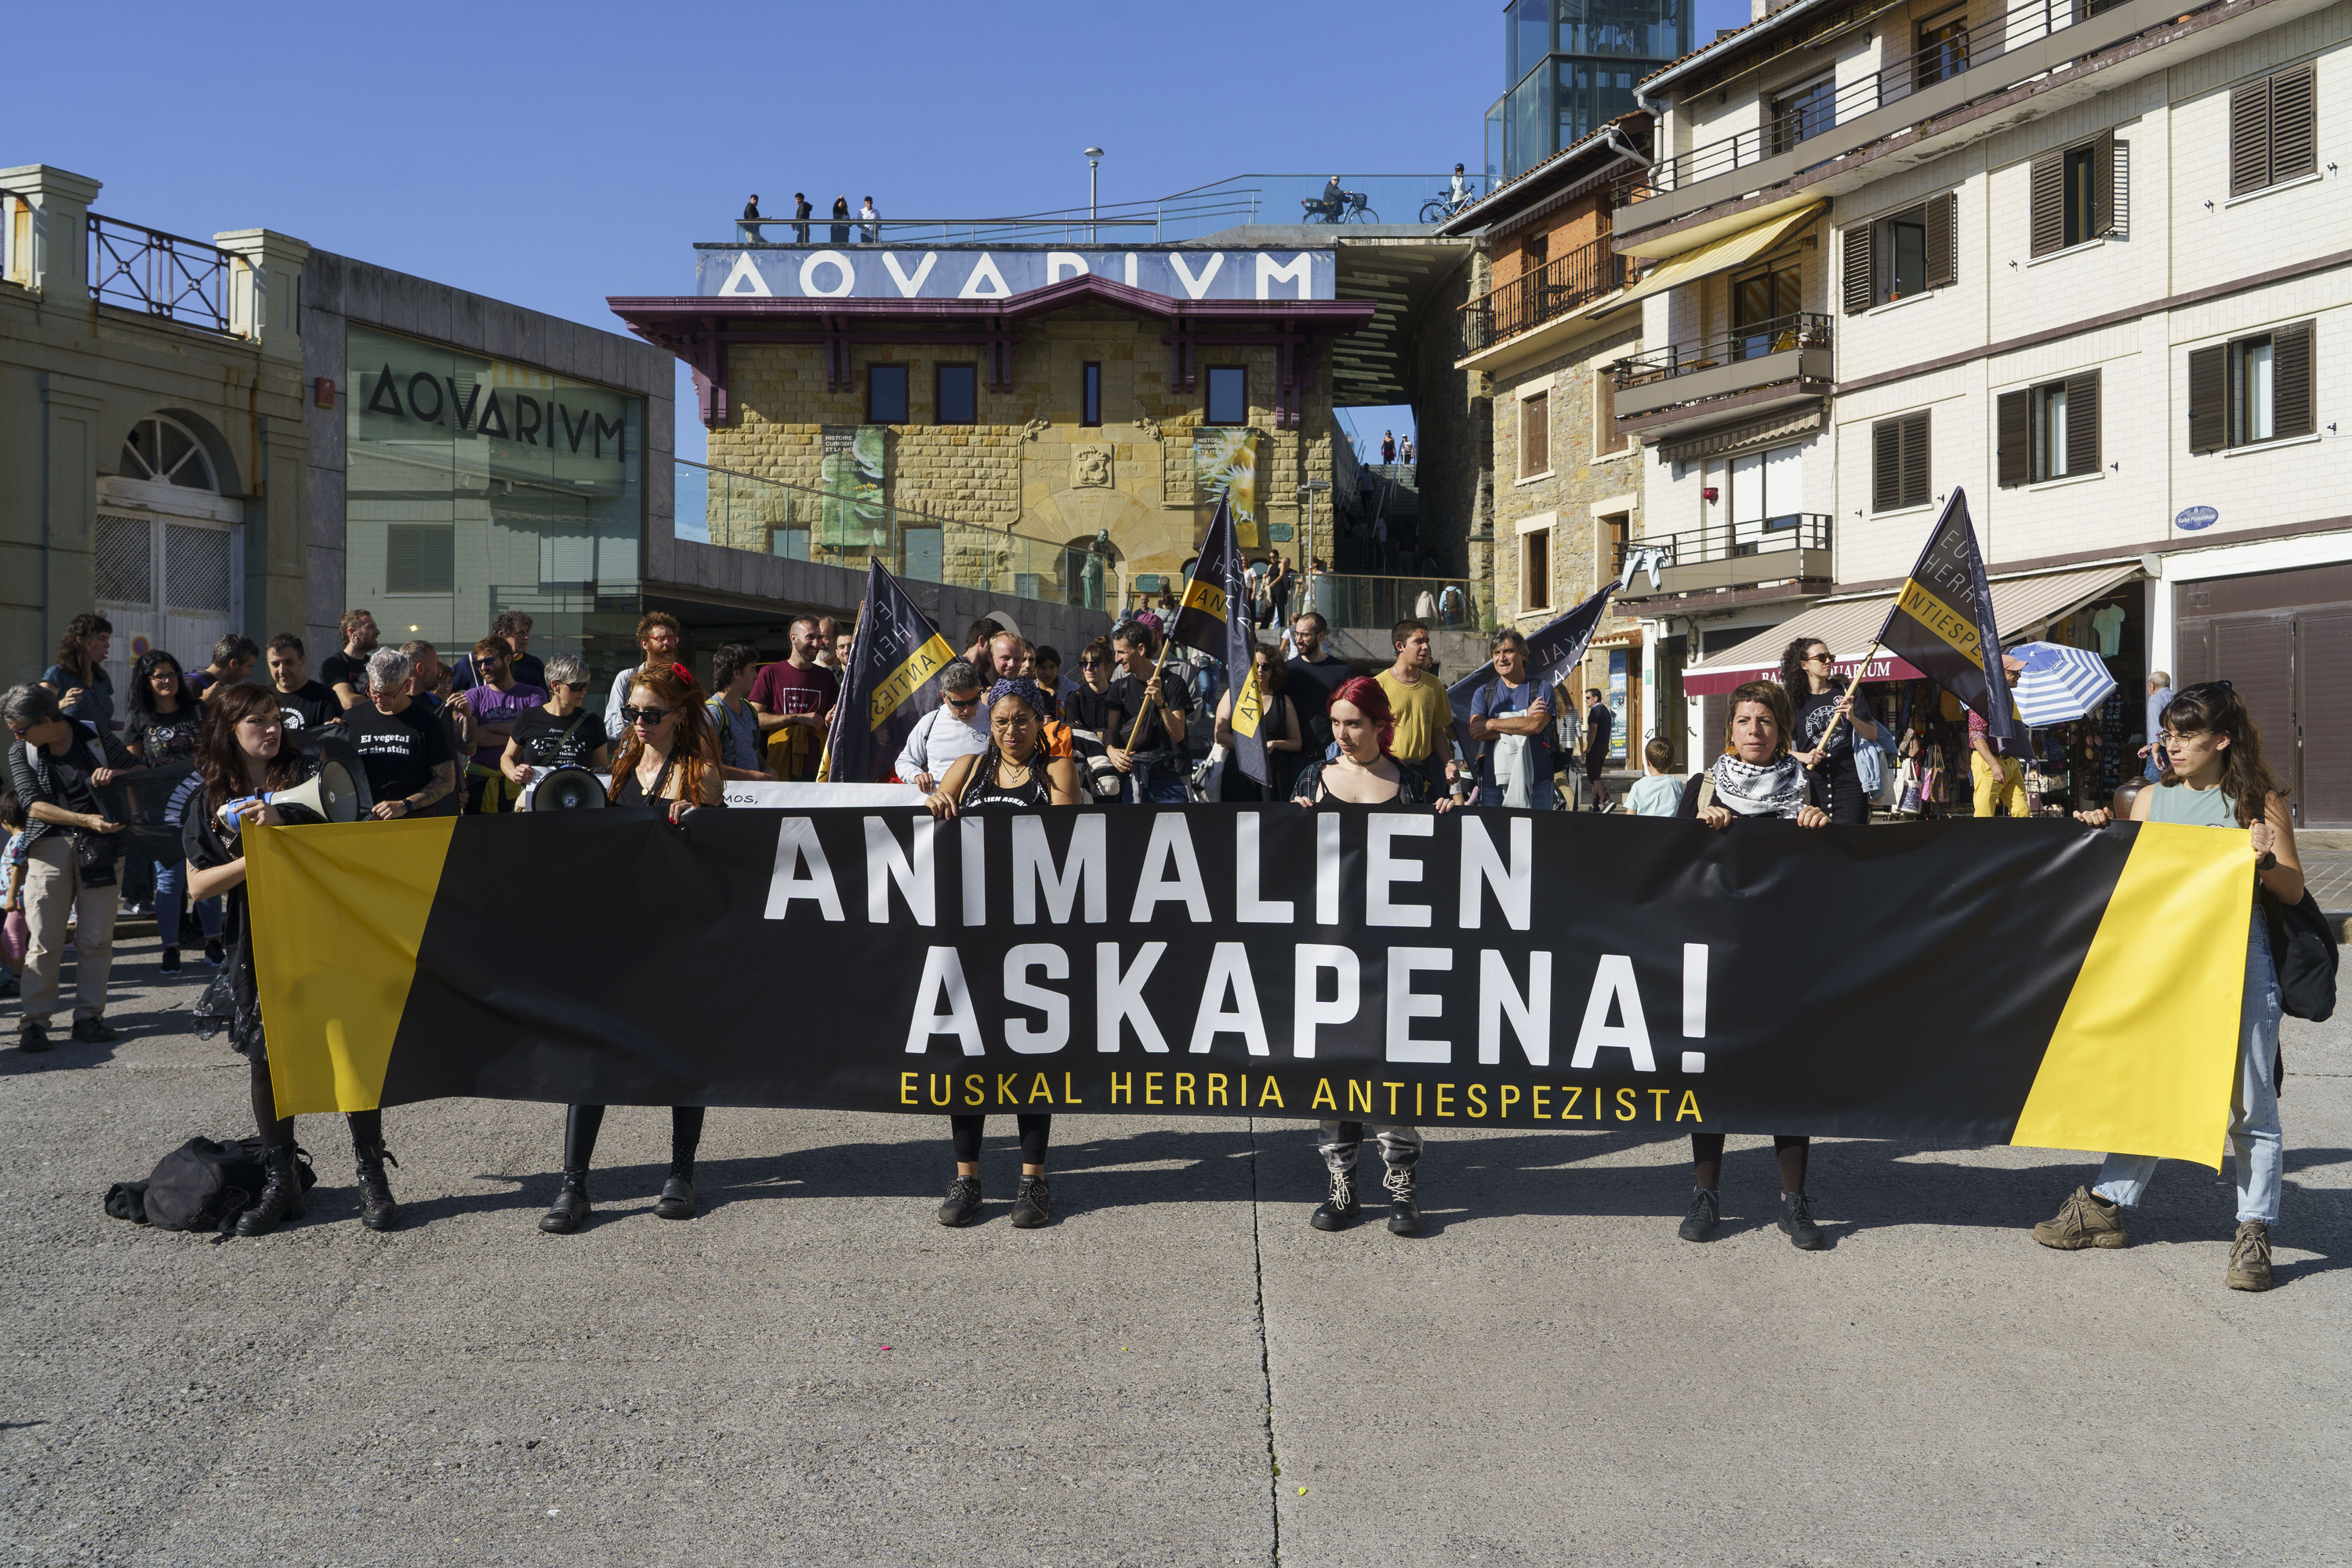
(2085, 1220)
(2250, 1259)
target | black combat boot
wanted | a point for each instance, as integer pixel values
(281, 1192)
(377, 1211)
(569, 1212)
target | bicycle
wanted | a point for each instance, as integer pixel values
(1442, 206)
(1354, 207)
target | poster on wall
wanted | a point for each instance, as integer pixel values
(1618, 659)
(1225, 468)
(852, 475)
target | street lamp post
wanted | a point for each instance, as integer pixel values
(1307, 534)
(1093, 212)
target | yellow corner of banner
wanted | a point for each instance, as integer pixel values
(2144, 1059)
(338, 913)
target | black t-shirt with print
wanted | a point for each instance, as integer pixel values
(539, 735)
(308, 706)
(345, 669)
(400, 750)
(165, 737)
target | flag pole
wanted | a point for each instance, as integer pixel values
(1853, 690)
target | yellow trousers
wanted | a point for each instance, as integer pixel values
(1992, 788)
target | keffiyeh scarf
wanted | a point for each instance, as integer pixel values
(1777, 789)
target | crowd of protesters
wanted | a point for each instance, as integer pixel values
(1012, 733)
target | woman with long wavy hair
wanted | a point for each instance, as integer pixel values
(243, 752)
(1818, 697)
(2215, 776)
(669, 764)
(165, 727)
(78, 674)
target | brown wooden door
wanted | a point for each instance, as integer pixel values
(2323, 707)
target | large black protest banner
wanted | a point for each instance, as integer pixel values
(2031, 982)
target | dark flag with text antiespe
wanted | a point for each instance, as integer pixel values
(892, 680)
(1214, 618)
(1554, 650)
(1942, 624)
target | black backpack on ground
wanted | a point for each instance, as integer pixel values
(200, 1185)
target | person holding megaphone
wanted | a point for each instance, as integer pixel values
(245, 758)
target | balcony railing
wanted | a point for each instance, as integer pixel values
(767, 516)
(184, 280)
(1551, 291)
(1793, 547)
(1782, 349)
(1386, 199)
(1943, 55)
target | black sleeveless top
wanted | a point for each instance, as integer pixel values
(981, 791)
(629, 791)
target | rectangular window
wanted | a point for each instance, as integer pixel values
(1534, 435)
(1764, 308)
(1535, 569)
(1766, 489)
(1898, 462)
(2273, 131)
(1903, 253)
(959, 394)
(1943, 47)
(2072, 194)
(1091, 394)
(2251, 389)
(2047, 432)
(1228, 395)
(1605, 436)
(422, 558)
(885, 395)
(1807, 111)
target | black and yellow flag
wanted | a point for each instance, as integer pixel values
(1942, 625)
(892, 680)
(1216, 619)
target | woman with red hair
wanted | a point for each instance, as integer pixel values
(1364, 774)
(669, 764)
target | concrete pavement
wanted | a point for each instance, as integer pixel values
(1180, 1370)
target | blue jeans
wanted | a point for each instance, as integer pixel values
(2256, 1145)
(1539, 793)
(2155, 768)
(1163, 783)
(170, 889)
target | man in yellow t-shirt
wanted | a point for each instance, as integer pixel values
(1424, 719)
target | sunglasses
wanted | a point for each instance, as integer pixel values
(572, 684)
(644, 715)
(1090, 663)
(1819, 659)
(970, 701)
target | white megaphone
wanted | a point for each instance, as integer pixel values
(337, 791)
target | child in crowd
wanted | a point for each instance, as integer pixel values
(2127, 792)
(14, 934)
(1656, 793)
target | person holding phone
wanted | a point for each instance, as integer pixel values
(72, 844)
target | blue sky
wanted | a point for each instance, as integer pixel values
(551, 156)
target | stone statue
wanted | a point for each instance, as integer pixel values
(1090, 574)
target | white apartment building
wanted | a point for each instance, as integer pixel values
(2088, 262)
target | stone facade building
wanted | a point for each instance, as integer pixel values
(1538, 343)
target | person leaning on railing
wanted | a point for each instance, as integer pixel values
(1012, 775)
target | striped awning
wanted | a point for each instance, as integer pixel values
(1731, 251)
(2022, 607)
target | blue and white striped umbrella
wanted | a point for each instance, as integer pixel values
(2058, 684)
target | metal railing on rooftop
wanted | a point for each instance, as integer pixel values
(1777, 334)
(1793, 546)
(181, 280)
(1245, 199)
(1377, 602)
(1945, 54)
(1551, 291)
(769, 517)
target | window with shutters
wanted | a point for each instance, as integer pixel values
(1912, 252)
(2073, 192)
(1898, 462)
(2251, 390)
(1535, 569)
(2048, 432)
(2273, 131)
(1606, 441)
(1535, 436)
(422, 558)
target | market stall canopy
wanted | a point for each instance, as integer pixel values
(2021, 606)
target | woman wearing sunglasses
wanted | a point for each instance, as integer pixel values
(562, 733)
(2215, 776)
(669, 764)
(241, 752)
(1012, 775)
(1755, 778)
(1818, 698)
(956, 728)
(1278, 723)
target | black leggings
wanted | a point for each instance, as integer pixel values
(1707, 1155)
(277, 1131)
(1035, 1131)
(583, 1122)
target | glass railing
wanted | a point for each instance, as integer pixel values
(1364, 199)
(767, 516)
(1376, 603)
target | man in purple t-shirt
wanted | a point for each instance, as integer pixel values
(495, 703)
(793, 699)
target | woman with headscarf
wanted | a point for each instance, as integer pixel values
(668, 764)
(1013, 774)
(1754, 779)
